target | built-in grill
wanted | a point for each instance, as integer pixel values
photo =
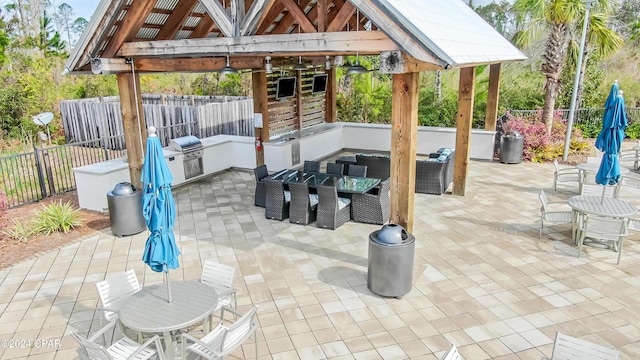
(191, 148)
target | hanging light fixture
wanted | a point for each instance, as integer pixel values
(228, 69)
(357, 68)
(268, 68)
(327, 63)
(300, 66)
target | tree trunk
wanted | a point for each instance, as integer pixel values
(549, 104)
(553, 60)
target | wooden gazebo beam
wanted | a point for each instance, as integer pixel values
(466, 92)
(404, 132)
(492, 97)
(135, 135)
(334, 43)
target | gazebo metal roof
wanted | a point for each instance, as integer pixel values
(447, 34)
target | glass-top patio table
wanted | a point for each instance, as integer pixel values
(343, 183)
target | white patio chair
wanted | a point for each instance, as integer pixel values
(565, 216)
(567, 174)
(114, 290)
(223, 340)
(630, 156)
(593, 160)
(220, 277)
(612, 230)
(121, 347)
(566, 347)
(452, 354)
(629, 186)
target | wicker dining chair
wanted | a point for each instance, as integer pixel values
(372, 208)
(304, 206)
(334, 168)
(260, 196)
(277, 201)
(311, 166)
(357, 170)
(333, 211)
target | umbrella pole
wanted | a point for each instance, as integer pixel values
(168, 286)
(604, 189)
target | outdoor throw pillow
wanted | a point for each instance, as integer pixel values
(444, 154)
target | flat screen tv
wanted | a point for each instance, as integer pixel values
(286, 87)
(319, 84)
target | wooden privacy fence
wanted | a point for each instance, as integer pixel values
(174, 116)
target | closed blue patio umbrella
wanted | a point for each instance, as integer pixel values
(609, 141)
(161, 252)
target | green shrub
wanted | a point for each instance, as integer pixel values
(633, 131)
(57, 217)
(21, 232)
(539, 146)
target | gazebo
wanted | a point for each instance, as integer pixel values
(129, 37)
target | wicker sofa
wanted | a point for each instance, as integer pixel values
(432, 176)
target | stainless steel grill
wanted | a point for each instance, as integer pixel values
(191, 148)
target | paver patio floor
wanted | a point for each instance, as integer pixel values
(482, 278)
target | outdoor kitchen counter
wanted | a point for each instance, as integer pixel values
(220, 152)
(95, 180)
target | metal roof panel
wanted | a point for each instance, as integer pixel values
(451, 30)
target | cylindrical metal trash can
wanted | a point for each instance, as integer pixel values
(391, 252)
(125, 210)
(511, 146)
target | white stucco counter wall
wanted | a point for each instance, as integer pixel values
(94, 181)
(292, 149)
(220, 152)
(377, 137)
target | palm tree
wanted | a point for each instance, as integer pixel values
(601, 42)
(556, 17)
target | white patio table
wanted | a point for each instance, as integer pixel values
(149, 311)
(596, 205)
(586, 168)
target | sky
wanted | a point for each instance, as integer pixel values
(81, 8)
(85, 8)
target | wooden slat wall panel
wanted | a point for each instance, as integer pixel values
(283, 114)
(173, 115)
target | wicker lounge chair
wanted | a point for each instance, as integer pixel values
(372, 208)
(434, 177)
(260, 196)
(304, 206)
(277, 203)
(332, 210)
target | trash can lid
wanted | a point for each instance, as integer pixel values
(123, 188)
(391, 234)
(513, 133)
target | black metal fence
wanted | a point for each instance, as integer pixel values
(587, 118)
(46, 171)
